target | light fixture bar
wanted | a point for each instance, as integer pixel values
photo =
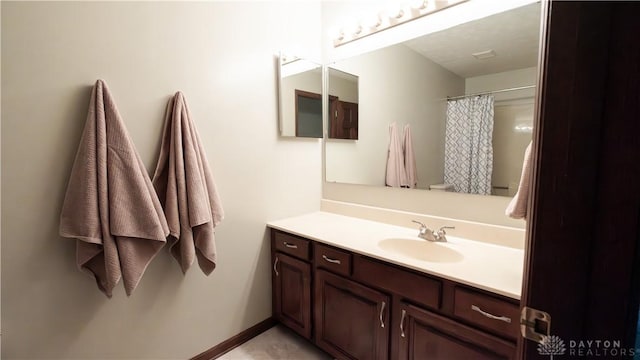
(394, 18)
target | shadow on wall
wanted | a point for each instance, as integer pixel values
(254, 287)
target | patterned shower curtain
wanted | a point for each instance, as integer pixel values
(468, 151)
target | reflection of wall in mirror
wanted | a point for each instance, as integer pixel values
(513, 121)
(344, 89)
(395, 84)
(310, 81)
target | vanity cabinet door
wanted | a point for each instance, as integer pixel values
(292, 293)
(425, 335)
(352, 320)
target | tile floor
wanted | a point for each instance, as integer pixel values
(276, 343)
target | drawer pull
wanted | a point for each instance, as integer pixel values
(291, 246)
(333, 261)
(381, 313)
(491, 316)
(275, 264)
(404, 313)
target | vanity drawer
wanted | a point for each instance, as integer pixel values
(292, 245)
(488, 312)
(329, 258)
(417, 287)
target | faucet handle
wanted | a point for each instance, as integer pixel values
(440, 234)
(441, 230)
(419, 223)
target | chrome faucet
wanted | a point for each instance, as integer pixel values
(430, 235)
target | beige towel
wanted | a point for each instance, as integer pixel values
(409, 158)
(186, 189)
(110, 206)
(517, 208)
(396, 175)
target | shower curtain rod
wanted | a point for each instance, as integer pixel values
(491, 92)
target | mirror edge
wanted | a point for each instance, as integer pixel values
(279, 90)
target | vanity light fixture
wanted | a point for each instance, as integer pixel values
(523, 128)
(393, 16)
(482, 55)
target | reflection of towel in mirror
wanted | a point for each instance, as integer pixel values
(110, 206)
(186, 189)
(409, 158)
(517, 208)
(396, 175)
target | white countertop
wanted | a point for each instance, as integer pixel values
(490, 267)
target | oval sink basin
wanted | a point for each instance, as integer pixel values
(421, 250)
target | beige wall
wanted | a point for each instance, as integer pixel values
(344, 89)
(221, 55)
(504, 80)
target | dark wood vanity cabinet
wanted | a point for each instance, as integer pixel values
(426, 335)
(291, 283)
(351, 320)
(355, 307)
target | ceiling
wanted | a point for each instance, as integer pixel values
(513, 35)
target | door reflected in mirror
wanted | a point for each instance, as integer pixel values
(470, 88)
(300, 97)
(343, 105)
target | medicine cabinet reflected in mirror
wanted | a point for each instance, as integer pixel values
(422, 83)
(300, 97)
(343, 104)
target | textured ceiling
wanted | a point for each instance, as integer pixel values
(513, 35)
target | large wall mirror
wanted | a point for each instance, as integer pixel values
(467, 95)
(300, 97)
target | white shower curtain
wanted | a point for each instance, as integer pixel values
(468, 160)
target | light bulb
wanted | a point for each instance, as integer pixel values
(339, 35)
(395, 13)
(357, 30)
(372, 22)
(419, 4)
(398, 14)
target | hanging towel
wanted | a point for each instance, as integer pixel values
(186, 189)
(110, 206)
(409, 158)
(517, 208)
(396, 174)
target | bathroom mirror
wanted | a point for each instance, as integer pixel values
(418, 82)
(343, 104)
(300, 97)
